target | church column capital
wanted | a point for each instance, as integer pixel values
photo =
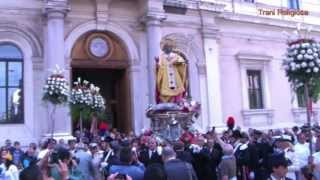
(56, 9)
(153, 18)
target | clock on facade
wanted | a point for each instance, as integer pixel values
(98, 46)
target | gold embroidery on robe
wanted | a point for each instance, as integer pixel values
(166, 89)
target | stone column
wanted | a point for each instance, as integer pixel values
(56, 11)
(211, 49)
(153, 21)
(208, 12)
(202, 71)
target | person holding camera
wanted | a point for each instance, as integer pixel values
(129, 165)
(58, 165)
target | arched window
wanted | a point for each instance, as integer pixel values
(11, 84)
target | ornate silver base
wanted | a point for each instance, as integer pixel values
(170, 124)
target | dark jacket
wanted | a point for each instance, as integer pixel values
(32, 172)
(179, 170)
(247, 161)
(216, 156)
(202, 165)
(146, 160)
(184, 156)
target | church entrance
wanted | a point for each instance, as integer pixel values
(113, 85)
(101, 58)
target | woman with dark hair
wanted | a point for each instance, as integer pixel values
(8, 171)
(155, 172)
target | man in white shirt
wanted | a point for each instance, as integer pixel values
(46, 147)
(301, 150)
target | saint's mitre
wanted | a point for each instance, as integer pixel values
(169, 42)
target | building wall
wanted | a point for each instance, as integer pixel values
(260, 34)
(227, 27)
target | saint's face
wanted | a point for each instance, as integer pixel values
(167, 49)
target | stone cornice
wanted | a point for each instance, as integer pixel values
(210, 6)
(176, 3)
(20, 11)
(245, 57)
(202, 5)
(251, 112)
(211, 32)
(56, 8)
(256, 37)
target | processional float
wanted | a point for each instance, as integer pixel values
(174, 110)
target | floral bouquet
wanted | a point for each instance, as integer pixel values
(80, 94)
(190, 106)
(302, 64)
(56, 89)
(85, 98)
(98, 103)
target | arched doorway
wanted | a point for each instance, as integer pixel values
(101, 58)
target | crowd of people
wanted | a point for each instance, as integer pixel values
(234, 154)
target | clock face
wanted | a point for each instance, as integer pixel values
(99, 47)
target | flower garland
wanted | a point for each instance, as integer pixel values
(56, 89)
(302, 65)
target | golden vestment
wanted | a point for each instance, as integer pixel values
(171, 76)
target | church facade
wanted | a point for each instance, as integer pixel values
(234, 50)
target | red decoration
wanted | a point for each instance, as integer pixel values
(230, 122)
(187, 137)
(144, 140)
(103, 126)
(299, 41)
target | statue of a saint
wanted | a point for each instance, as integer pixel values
(171, 74)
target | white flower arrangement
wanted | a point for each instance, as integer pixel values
(87, 96)
(56, 89)
(302, 62)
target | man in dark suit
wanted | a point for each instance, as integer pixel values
(182, 154)
(150, 154)
(264, 150)
(247, 158)
(177, 169)
(279, 166)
